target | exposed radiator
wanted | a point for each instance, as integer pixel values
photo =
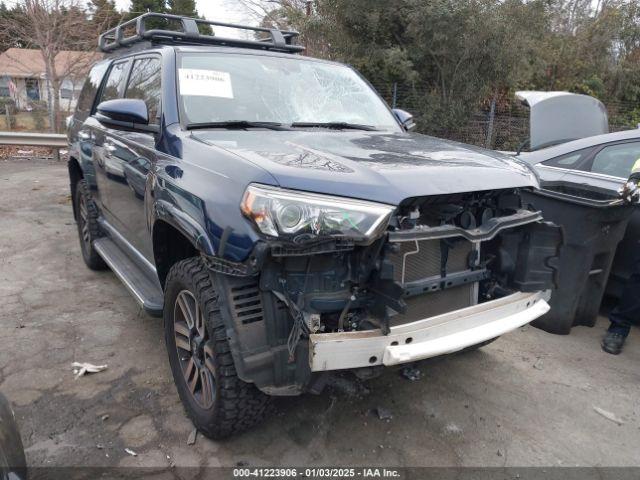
(431, 304)
(422, 259)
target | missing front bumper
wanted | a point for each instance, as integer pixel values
(430, 337)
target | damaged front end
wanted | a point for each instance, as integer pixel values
(381, 285)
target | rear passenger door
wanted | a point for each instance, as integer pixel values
(132, 156)
(81, 133)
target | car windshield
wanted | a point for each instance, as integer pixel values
(218, 88)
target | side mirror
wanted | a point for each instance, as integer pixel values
(126, 114)
(405, 119)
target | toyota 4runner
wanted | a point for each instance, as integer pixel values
(285, 222)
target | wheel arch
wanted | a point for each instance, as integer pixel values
(175, 238)
(75, 175)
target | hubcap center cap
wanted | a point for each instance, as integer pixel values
(197, 348)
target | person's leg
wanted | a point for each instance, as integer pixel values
(626, 313)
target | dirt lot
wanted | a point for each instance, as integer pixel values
(526, 400)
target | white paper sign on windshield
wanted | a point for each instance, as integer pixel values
(206, 83)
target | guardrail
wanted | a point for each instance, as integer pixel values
(53, 140)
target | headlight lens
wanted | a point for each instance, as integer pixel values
(306, 216)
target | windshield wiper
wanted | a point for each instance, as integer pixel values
(333, 125)
(237, 124)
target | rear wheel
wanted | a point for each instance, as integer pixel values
(88, 227)
(218, 403)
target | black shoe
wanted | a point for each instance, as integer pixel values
(613, 342)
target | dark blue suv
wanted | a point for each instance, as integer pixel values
(283, 220)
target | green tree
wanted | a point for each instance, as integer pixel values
(104, 14)
(186, 8)
(138, 7)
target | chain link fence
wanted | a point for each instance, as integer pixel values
(498, 124)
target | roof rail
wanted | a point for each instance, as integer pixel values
(189, 34)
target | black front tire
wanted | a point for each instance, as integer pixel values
(218, 402)
(88, 227)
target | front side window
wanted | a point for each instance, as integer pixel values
(230, 87)
(91, 86)
(115, 82)
(144, 84)
(616, 160)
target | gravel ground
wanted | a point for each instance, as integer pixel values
(528, 399)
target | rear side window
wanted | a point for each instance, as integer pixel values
(115, 82)
(144, 84)
(571, 161)
(616, 160)
(90, 88)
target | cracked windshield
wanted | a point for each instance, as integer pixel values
(225, 87)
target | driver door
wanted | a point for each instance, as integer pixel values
(132, 156)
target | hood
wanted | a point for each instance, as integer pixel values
(383, 167)
(558, 117)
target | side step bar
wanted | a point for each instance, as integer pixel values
(145, 290)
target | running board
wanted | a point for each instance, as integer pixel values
(145, 290)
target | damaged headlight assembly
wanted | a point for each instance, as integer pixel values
(302, 217)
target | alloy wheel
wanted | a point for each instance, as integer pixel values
(194, 351)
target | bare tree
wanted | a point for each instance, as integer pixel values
(55, 27)
(306, 16)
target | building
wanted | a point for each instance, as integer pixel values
(23, 76)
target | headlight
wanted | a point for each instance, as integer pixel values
(302, 216)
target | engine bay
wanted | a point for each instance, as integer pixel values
(439, 254)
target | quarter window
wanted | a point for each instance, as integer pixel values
(570, 161)
(616, 160)
(144, 84)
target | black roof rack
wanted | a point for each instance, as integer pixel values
(189, 34)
